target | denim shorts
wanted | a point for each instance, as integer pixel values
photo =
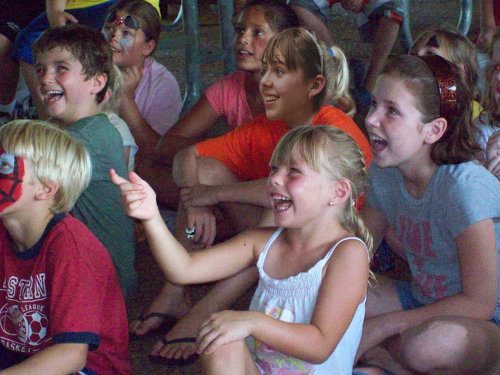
(93, 16)
(406, 296)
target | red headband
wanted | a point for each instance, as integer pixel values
(447, 84)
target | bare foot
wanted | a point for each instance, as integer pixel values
(186, 327)
(170, 301)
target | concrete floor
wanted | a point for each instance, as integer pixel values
(424, 13)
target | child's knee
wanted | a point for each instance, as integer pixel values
(219, 358)
(213, 172)
(440, 342)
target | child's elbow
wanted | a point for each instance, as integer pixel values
(78, 357)
(320, 355)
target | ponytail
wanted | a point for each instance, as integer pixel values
(336, 72)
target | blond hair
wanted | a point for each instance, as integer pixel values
(112, 104)
(54, 155)
(299, 49)
(330, 151)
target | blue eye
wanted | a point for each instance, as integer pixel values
(7, 163)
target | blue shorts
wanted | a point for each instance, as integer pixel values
(93, 16)
(406, 296)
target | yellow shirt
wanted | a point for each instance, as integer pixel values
(476, 109)
(74, 4)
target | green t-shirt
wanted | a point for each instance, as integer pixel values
(99, 206)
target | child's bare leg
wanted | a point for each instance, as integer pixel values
(221, 297)
(382, 297)
(28, 72)
(171, 299)
(449, 345)
(385, 37)
(9, 74)
(314, 23)
(233, 358)
(159, 176)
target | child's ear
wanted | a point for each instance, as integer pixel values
(434, 130)
(99, 80)
(341, 191)
(47, 190)
(148, 48)
(317, 85)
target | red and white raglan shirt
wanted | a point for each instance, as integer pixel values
(63, 290)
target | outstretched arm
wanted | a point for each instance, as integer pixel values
(180, 267)
(343, 288)
(56, 359)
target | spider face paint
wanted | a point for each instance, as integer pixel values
(11, 179)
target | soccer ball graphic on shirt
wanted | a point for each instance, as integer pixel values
(36, 327)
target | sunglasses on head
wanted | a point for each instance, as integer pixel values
(128, 21)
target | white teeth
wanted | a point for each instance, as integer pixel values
(55, 92)
(375, 138)
(244, 52)
(280, 198)
(271, 98)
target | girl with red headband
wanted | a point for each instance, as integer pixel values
(445, 209)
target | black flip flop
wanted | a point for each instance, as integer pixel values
(175, 361)
(168, 321)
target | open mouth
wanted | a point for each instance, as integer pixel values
(52, 96)
(244, 53)
(270, 98)
(280, 203)
(378, 144)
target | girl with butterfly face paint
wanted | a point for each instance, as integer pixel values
(151, 100)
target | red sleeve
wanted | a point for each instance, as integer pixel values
(77, 287)
(233, 149)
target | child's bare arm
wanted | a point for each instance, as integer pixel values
(187, 131)
(56, 359)
(376, 223)
(343, 288)
(144, 134)
(180, 267)
(248, 192)
(56, 14)
(487, 24)
(477, 257)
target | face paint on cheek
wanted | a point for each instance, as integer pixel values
(126, 44)
(11, 179)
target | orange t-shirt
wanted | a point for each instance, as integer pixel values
(247, 150)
